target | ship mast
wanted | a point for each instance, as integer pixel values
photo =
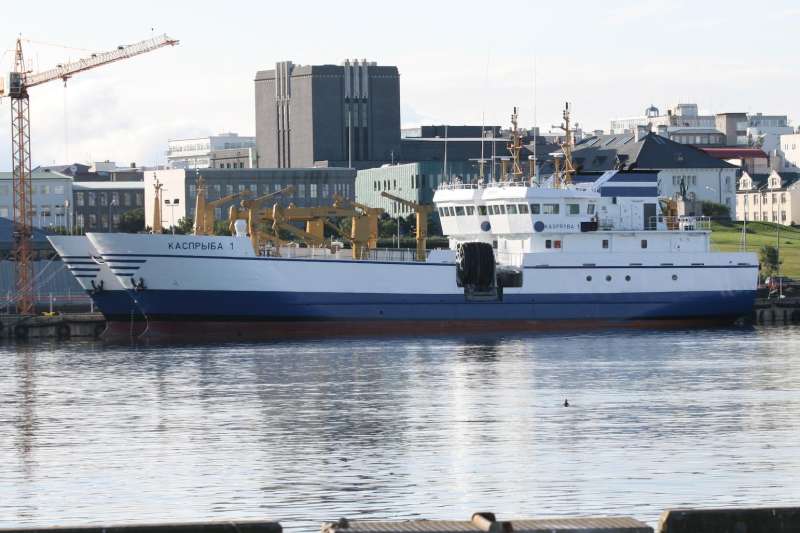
(565, 176)
(515, 147)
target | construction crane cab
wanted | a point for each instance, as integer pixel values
(421, 211)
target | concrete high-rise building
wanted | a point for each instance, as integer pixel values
(327, 115)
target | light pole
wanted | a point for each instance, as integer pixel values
(172, 205)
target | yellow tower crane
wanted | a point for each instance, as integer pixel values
(15, 87)
(422, 212)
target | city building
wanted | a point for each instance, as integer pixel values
(750, 160)
(99, 205)
(681, 167)
(411, 181)
(313, 187)
(327, 115)
(99, 171)
(233, 158)
(686, 125)
(51, 201)
(196, 152)
(774, 199)
(789, 152)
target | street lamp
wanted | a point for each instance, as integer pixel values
(172, 205)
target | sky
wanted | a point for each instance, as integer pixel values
(460, 62)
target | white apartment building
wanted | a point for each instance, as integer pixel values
(197, 152)
(51, 202)
(777, 200)
(789, 152)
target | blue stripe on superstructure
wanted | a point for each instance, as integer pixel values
(124, 267)
(277, 306)
(647, 192)
(127, 260)
(84, 269)
(86, 276)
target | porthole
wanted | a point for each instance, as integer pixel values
(674, 277)
(608, 278)
(588, 278)
(627, 278)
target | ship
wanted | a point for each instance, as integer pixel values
(524, 254)
(107, 293)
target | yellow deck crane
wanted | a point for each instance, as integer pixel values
(248, 210)
(16, 87)
(422, 211)
(157, 224)
(316, 218)
(373, 215)
(204, 210)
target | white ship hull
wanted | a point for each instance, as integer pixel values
(219, 281)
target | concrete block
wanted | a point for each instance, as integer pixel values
(228, 526)
(753, 520)
(486, 522)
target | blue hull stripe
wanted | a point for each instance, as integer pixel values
(245, 305)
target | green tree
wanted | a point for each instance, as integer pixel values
(770, 260)
(132, 221)
(221, 227)
(712, 209)
(185, 226)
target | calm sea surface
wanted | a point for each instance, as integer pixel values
(385, 429)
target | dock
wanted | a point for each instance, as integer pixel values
(55, 326)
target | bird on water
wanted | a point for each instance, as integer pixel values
(566, 402)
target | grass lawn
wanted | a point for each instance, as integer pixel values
(727, 236)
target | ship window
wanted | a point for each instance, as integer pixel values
(548, 243)
(605, 244)
(550, 209)
(451, 211)
(441, 211)
(588, 278)
(674, 277)
(511, 209)
(644, 243)
(535, 209)
(590, 209)
(470, 210)
(627, 278)
(573, 209)
(556, 244)
(482, 210)
(502, 209)
(608, 278)
(460, 211)
(523, 209)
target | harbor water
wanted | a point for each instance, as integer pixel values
(373, 428)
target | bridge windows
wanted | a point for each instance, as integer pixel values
(523, 209)
(511, 209)
(590, 209)
(535, 209)
(482, 210)
(459, 211)
(550, 209)
(470, 210)
(573, 209)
